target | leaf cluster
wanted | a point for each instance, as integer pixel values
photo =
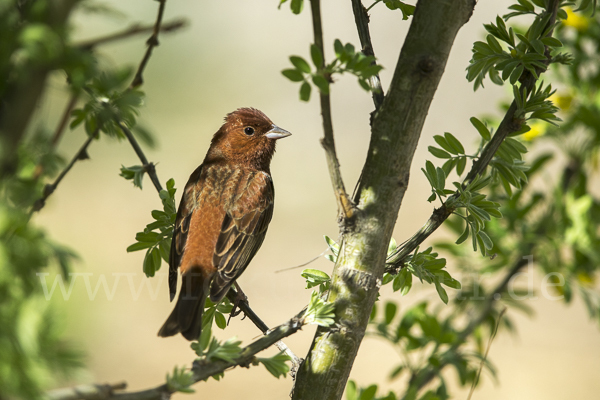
(180, 380)
(518, 53)
(156, 236)
(347, 60)
(109, 103)
(438, 340)
(426, 266)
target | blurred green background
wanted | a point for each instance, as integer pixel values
(230, 56)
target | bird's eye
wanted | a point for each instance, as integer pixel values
(249, 130)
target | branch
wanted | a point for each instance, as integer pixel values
(508, 126)
(85, 392)
(345, 205)
(395, 130)
(133, 30)
(422, 380)
(201, 369)
(50, 188)
(152, 42)
(60, 128)
(232, 295)
(148, 166)
(361, 17)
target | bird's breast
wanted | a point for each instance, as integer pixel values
(221, 189)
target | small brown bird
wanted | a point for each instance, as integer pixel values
(223, 216)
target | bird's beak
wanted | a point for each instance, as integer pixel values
(276, 133)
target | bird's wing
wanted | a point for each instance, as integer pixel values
(242, 232)
(180, 230)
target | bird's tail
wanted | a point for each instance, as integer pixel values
(186, 317)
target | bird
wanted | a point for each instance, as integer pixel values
(223, 216)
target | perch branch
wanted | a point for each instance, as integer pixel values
(201, 370)
(232, 295)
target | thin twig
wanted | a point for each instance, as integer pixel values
(152, 42)
(303, 264)
(133, 30)
(487, 350)
(361, 17)
(50, 188)
(508, 125)
(345, 205)
(149, 167)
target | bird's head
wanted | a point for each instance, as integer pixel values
(248, 138)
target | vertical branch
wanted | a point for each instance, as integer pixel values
(361, 18)
(345, 206)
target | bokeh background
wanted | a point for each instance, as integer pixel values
(230, 56)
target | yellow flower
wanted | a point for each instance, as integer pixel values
(537, 129)
(562, 101)
(576, 20)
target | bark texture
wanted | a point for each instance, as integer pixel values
(396, 128)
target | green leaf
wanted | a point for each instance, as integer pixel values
(293, 75)
(390, 312)
(276, 365)
(487, 242)
(481, 128)
(460, 165)
(333, 246)
(300, 64)
(305, 89)
(297, 6)
(454, 143)
(339, 48)
(439, 153)
(139, 246)
(150, 266)
(441, 292)
(319, 312)
(321, 83)
(220, 320)
(316, 56)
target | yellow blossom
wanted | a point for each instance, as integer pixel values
(562, 101)
(537, 129)
(576, 20)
